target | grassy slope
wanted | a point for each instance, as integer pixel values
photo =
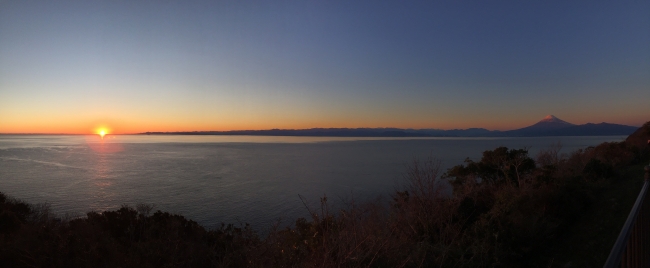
(589, 242)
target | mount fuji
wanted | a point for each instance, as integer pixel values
(553, 126)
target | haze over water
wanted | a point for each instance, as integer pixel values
(231, 179)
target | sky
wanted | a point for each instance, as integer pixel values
(136, 66)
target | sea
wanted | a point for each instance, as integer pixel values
(259, 180)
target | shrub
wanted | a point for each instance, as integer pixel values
(595, 170)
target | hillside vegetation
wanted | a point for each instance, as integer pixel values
(509, 209)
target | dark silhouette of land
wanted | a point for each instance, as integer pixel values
(549, 126)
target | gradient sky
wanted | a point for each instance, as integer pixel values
(135, 66)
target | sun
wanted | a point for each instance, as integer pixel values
(101, 133)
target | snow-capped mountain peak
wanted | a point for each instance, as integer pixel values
(550, 118)
(552, 122)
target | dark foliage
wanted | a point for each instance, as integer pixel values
(122, 238)
(500, 166)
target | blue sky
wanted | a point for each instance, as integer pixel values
(215, 65)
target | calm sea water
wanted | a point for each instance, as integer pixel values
(231, 179)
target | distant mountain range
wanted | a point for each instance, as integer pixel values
(549, 126)
(553, 126)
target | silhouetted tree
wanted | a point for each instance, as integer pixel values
(496, 167)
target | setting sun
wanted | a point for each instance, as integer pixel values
(102, 133)
(102, 130)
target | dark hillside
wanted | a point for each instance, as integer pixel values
(640, 138)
